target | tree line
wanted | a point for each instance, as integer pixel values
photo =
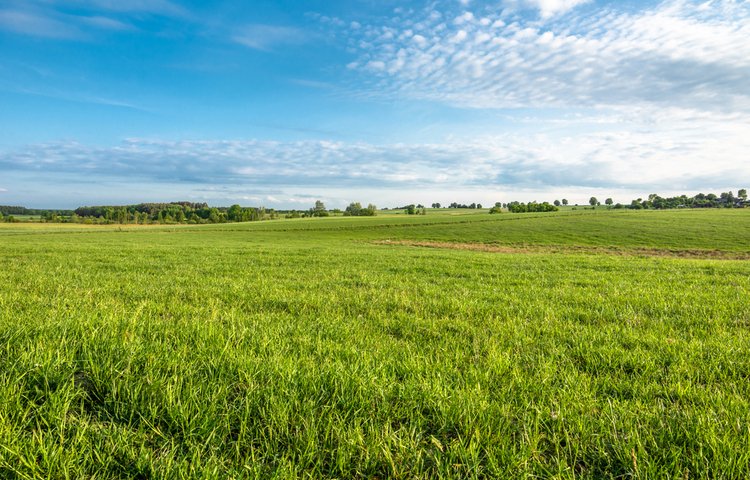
(178, 213)
(355, 209)
(701, 200)
(7, 210)
(520, 207)
(162, 213)
(201, 213)
(710, 200)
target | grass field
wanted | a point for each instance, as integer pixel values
(579, 344)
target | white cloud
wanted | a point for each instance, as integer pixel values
(655, 150)
(547, 8)
(672, 55)
(265, 37)
(105, 23)
(156, 7)
(52, 24)
(35, 24)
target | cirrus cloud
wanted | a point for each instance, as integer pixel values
(264, 37)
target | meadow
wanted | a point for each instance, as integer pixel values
(575, 344)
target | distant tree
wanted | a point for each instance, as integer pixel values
(593, 201)
(518, 207)
(319, 210)
(742, 193)
(609, 201)
(496, 209)
(234, 213)
(479, 205)
(353, 209)
(564, 201)
(436, 205)
(557, 203)
(411, 209)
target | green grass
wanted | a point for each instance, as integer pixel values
(311, 349)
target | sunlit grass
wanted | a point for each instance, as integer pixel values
(306, 349)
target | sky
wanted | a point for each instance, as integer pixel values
(280, 103)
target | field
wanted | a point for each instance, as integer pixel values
(578, 344)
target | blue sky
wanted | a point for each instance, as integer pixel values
(279, 103)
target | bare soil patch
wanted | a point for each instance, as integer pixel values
(570, 249)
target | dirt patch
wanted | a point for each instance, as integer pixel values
(570, 249)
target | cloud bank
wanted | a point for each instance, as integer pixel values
(678, 150)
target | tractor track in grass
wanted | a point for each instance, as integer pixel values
(699, 254)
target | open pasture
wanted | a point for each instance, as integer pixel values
(593, 344)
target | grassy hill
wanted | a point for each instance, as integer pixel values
(594, 344)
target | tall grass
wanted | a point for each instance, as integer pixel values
(249, 351)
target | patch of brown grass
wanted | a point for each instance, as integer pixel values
(570, 249)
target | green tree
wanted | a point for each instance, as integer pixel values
(609, 201)
(593, 201)
(557, 203)
(353, 209)
(564, 201)
(742, 193)
(234, 213)
(319, 210)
